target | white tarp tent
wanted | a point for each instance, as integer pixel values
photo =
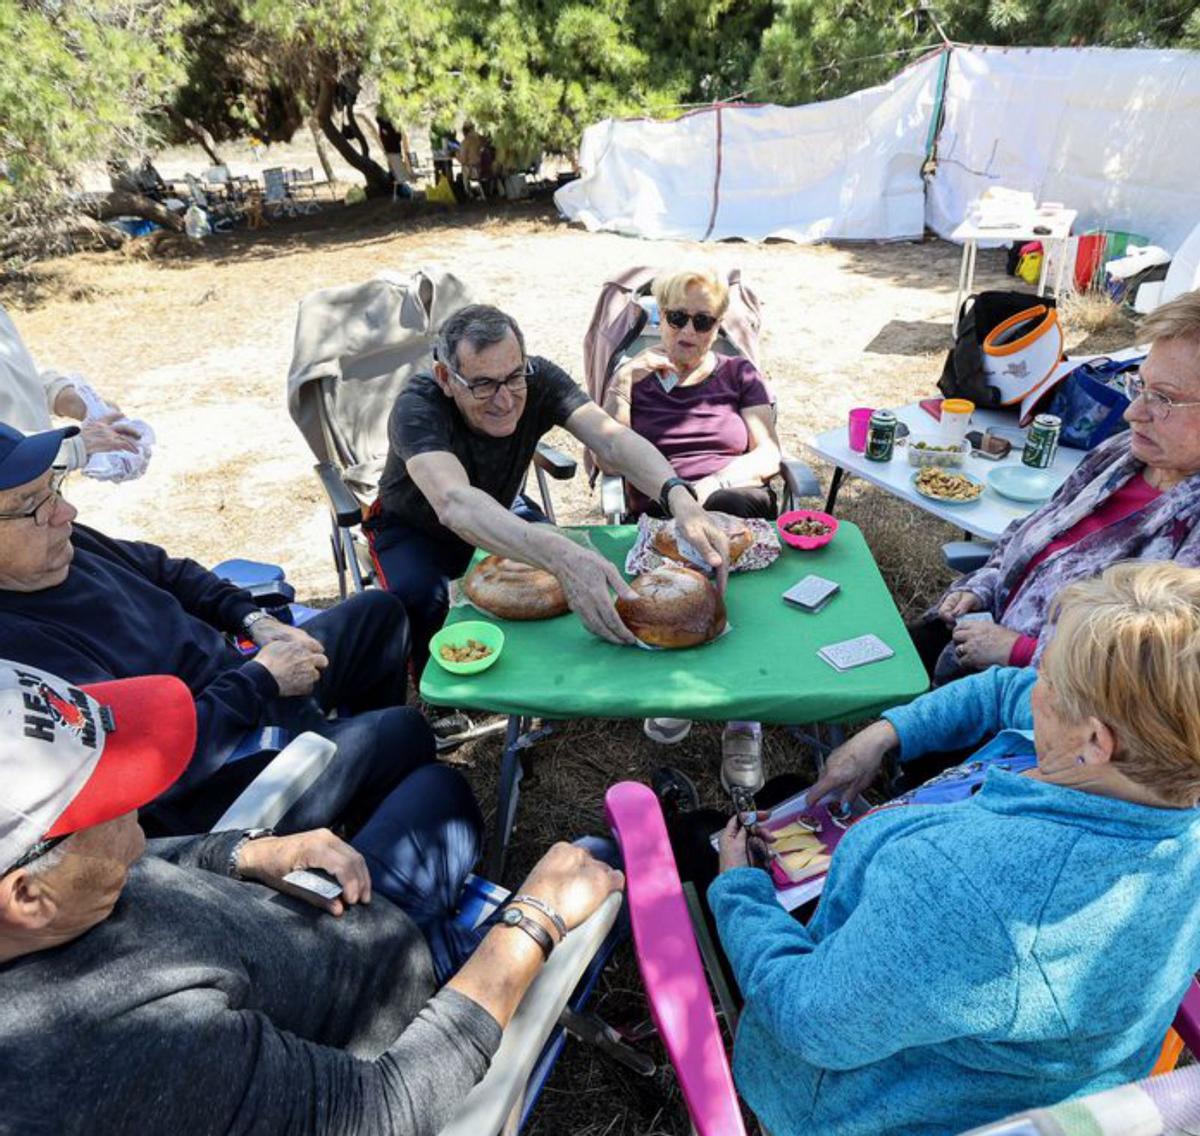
(1110, 133)
(848, 169)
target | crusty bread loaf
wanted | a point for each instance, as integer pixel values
(666, 541)
(676, 607)
(509, 589)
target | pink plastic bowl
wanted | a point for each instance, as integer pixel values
(807, 543)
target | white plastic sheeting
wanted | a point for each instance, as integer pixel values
(1113, 134)
(848, 169)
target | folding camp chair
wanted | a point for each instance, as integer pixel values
(302, 187)
(355, 348)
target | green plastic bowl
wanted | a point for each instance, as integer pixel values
(457, 634)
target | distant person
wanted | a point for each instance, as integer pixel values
(29, 397)
(396, 152)
(1136, 497)
(470, 153)
(170, 988)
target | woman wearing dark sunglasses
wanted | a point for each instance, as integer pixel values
(710, 415)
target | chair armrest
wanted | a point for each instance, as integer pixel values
(669, 960)
(799, 479)
(966, 555)
(342, 501)
(490, 1102)
(278, 787)
(612, 497)
(554, 462)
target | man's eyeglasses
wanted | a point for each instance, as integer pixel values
(484, 389)
(40, 849)
(701, 321)
(43, 510)
(1159, 405)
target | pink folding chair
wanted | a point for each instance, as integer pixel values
(669, 959)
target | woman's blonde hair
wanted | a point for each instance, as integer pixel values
(1176, 319)
(1126, 650)
(670, 288)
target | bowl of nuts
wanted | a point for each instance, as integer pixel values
(806, 528)
(467, 648)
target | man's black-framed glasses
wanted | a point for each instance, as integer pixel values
(484, 389)
(41, 511)
(40, 849)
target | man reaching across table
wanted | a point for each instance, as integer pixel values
(460, 442)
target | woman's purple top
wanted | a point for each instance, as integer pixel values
(700, 429)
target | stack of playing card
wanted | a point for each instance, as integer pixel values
(811, 594)
(851, 653)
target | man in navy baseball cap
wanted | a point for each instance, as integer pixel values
(25, 457)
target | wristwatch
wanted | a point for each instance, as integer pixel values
(665, 492)
(514, 917)
(236, 850)
(250, 620)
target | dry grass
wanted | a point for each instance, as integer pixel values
(200, 348)
(1095, 318)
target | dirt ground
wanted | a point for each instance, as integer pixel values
(200, 348)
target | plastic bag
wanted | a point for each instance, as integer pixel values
(442, 193)
(195, 223)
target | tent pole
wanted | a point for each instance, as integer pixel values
(716, 200)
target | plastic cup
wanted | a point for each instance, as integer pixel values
(956, 418)
(860, 424)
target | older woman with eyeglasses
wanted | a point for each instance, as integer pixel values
(1137, 497)
(1021, 946)
(708, 414)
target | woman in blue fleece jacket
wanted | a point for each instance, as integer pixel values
(1024, 945)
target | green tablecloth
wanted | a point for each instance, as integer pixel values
(766, 668)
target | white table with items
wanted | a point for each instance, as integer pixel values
(1048, 224)
(986, 517)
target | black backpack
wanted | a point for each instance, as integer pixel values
(963, 375)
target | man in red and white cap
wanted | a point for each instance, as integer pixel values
(156, 994)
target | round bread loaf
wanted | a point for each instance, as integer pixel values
(676, 607)
(666, 541)
(512, 590)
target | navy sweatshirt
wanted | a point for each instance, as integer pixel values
(127, 608)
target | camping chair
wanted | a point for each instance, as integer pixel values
(302, 186)
(277, 201)
(355, 347)
(621, 328)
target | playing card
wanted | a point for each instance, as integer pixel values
(858, 652)
(812, 593)
(976, 617)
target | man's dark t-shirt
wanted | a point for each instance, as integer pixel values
(424, 420)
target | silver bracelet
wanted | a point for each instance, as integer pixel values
(545, 908)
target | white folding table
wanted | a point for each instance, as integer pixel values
(986, 517)
(1056, 224)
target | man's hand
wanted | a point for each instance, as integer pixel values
(958, 603)
(270, 858)
(978, 646)
(294, 666)
(703, 534)
(571, 881)
(101, 435)
(855, 763)
(272, 630)
(69, 404)
(586, 578)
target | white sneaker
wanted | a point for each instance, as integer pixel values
(741, 757)
(667, 731)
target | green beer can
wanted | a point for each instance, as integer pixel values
(1042, 443)
(881, 436)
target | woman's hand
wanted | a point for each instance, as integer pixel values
(654, 360)
(270, 858)
(978, 646)
(741, 847)
(855, 763)
(958, 603)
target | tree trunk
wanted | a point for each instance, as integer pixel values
(119, 203)
(376, 176)
(198, 131)
(322, 153)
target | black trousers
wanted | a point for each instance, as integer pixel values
(380, 741)
(930, 636)
(745, 501)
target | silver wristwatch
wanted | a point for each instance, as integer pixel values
(236, 850)
(250, 620)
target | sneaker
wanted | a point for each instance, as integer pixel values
(675, 790)
(741, 757)
(667, 731)
(450, 727)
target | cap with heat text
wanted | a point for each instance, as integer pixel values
(73, 757)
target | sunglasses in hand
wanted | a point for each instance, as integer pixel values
(701, 321)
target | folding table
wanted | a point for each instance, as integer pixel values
(765, 668)
(986, 517)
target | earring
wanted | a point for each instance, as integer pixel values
(1080, 760)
